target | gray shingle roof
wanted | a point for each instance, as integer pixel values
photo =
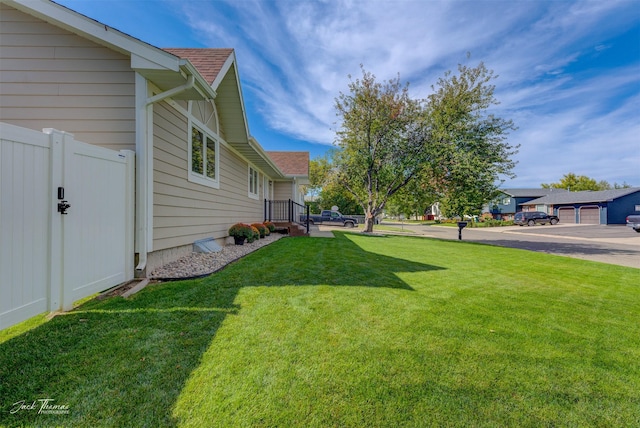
(564, 197)
(524, 193)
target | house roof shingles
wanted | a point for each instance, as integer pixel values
(525, 193)
(291, 163)
(208, 61)
(566, 197)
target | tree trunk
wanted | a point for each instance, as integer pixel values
(368, 223)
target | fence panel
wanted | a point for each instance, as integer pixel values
(25, 204)
(48, 259)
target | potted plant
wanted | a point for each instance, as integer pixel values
(255, 234)
(262, 230)
(240, 232)
(270, 226)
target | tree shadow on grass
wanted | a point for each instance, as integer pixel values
(122, 362)
(327, 261)
(582, 248)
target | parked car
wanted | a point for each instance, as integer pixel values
(531, 218)
(634, 222)
(330, 217)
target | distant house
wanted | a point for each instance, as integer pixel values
(507, 203)
(589, 207)
(198, 170)
(433, 212)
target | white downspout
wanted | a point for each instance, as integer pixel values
(144, 165)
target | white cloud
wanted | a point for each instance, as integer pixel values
(294, 57)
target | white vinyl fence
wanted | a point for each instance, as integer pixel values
(49, 259)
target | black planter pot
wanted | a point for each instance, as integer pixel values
(239, 240)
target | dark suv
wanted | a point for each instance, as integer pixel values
(530, 218)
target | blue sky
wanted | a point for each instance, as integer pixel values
(569, 71)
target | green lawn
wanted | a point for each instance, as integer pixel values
(362, 331)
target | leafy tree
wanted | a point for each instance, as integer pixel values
(470, 144)
(414, 199)
(325, 189)
(319, 173)
(314, 206)
(448, 142)
(382, 141)
(576, 183)
(334, 193)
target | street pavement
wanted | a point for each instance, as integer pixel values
(618, 245)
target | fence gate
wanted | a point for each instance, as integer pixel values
(95, 234)
(66, 221)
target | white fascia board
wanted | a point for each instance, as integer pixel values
(231, 60)
(141, 63)
(93, 30)
(260, 151)
(302, 180)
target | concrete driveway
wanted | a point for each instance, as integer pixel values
(618, 245)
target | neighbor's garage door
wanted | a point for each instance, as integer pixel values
(589, 215)
(567, 215)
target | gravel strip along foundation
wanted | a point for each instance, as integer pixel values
(203, 264)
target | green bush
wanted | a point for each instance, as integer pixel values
(492, 223)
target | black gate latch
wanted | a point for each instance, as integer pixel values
(63, 206)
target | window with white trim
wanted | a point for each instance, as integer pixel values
(203, 158)
(253, 182)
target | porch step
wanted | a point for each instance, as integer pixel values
(292, 229)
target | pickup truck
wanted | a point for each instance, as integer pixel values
(330, 217)
(531, 218)
(634, 221)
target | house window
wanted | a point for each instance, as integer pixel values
(506, 201)
(253, 183)
(203, 150)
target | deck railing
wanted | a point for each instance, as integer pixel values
(286, 211)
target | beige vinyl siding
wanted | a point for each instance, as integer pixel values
(184, 212)
(282, 190)
(51, 78)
